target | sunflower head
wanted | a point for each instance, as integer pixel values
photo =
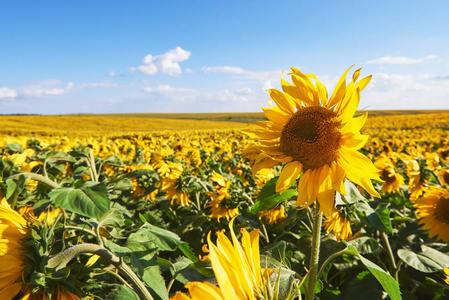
(316, 135)
(433, 212)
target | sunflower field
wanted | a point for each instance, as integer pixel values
(317, 201)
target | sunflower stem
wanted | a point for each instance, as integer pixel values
(315, 253)
(389, 251)
(61, 260)
(39, 178)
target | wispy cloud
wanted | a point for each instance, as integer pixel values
(394, 91)
(166, 89)
(167, 63)
(7, 93)
(224, 69)
(400, 60)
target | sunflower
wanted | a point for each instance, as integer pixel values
(339, 225)
(59, 294)
(315, 136)
(392, 180)
(273, 216)
(444, 175)
(236, 267)
(433, 212)
(12, 230)
(446, 271)
(221, 205)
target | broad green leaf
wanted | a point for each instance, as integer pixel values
(59, 155)
(114, 160)
(90, 200)
(164, 239)
(268, 198)
(122, 292)
(124, 184)
(13, 148)
(112, 218)
(184, 247)
(14, 187)
(365, 244)
(144, 259)
(365, 287)
(427, 261)
(143, 255)
(352, 197)
(390, 285)
(380, 218)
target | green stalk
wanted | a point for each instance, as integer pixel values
(315, 253)
(61, 260)
(39, 178)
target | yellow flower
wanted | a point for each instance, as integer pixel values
(315, 136)
(219, 209)
(433, 212)
(60, 294)
(392, 180)
(444, 175)
(12, 230)
(236, 267)
(446, 271)
(273, 216)
(339, 225)
(416, 185)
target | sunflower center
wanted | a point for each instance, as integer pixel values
(442, 210)
(388, 176)
(312, 137)
(446, 177)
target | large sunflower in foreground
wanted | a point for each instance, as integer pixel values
(316, 136)
(236, 267)
(433, 212)
(12, 230)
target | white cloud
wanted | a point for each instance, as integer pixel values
(399, 60)
(38, 91)
(103, 84)
(166, 89)
(112, 74)
(244, 91)
(7, 93)
(224, 69)
(167, 63)
(393, 91)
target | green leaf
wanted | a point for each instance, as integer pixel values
(184, 247)
(59, 155)
(144, 258)
(90, 200)
(427, 261)
(122, 292)
(268, 198)
(14, 187)
(124, 184)
(380, 218)
(365, 244)
(114, 160)
(353, 195)
(112, 218)
(13, 148)
(390, 285)
(165, 240)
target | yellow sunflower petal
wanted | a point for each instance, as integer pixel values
(290, 173)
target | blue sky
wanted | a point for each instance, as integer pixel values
(61, 57)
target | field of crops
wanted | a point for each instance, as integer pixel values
(150, 198)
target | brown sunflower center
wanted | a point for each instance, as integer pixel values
(389, 176)
(446, 177)
(312, 137)
(442, 210)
